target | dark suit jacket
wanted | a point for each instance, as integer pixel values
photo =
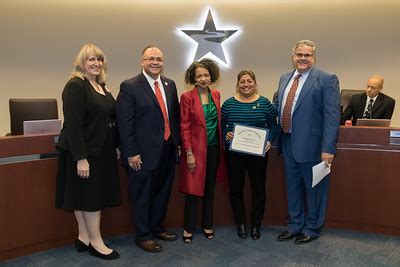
(140, 120)
(382, 108)
(85, 125)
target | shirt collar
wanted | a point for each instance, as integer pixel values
(150, 79)
(304, 75)
(374, 98)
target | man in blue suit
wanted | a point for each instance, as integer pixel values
(309, 115)
(148, 121)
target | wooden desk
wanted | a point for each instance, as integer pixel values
(364, 184)
(364, 192)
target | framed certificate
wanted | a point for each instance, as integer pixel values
(249, 140)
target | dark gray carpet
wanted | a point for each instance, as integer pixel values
(333, 248)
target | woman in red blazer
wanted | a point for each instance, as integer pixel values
(202, 160)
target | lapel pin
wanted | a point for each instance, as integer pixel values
(166, 84)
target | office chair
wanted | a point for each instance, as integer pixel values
(345, 96)
(30, 109)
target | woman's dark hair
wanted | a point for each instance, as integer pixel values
(208, 64)
(244, 72)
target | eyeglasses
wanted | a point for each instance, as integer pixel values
(153, 59)
(300, 55)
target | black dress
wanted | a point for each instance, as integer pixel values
(102, 188)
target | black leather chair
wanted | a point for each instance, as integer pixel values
(345, 96)
(30, 109)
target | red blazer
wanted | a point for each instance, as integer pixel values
(194, 137)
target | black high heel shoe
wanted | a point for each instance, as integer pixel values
(210, 235)
(187, 238)
(242, 232)
(112, 256)
(80, 246)
(255, 233)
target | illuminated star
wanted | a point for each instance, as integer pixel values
(210, 39)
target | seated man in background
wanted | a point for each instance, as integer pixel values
(369, 105)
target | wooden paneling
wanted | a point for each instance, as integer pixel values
(363, 196)
(20, 145)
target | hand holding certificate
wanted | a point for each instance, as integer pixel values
(249, 140)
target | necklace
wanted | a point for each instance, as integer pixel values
(97, 87)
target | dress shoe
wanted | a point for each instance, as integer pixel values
(187, 238)
(209, 235)
(80, 246)
(242, 232)
(286, 236)
(255, 233)
(167, 236)
(149, 245)
(302, 239)
(112, 256)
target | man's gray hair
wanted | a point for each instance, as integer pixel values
(306, 43)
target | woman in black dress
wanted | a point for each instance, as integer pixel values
(87, 176)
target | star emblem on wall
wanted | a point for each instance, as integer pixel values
(209, 39)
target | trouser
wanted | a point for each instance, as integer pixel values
(191, 201)
(256, 167)
(149, 192)
(300, 194)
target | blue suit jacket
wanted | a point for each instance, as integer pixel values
(316, 116)
(140, 120)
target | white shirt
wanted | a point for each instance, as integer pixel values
(368, 99)
(151, 81)
(302, 80)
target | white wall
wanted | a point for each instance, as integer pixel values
(40, 38)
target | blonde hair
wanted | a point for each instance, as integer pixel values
(86, 51)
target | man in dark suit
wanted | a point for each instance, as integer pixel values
(369, 105)
(309, 115)
(148, 120)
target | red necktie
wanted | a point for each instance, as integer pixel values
(287, 110)
(167, 131)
